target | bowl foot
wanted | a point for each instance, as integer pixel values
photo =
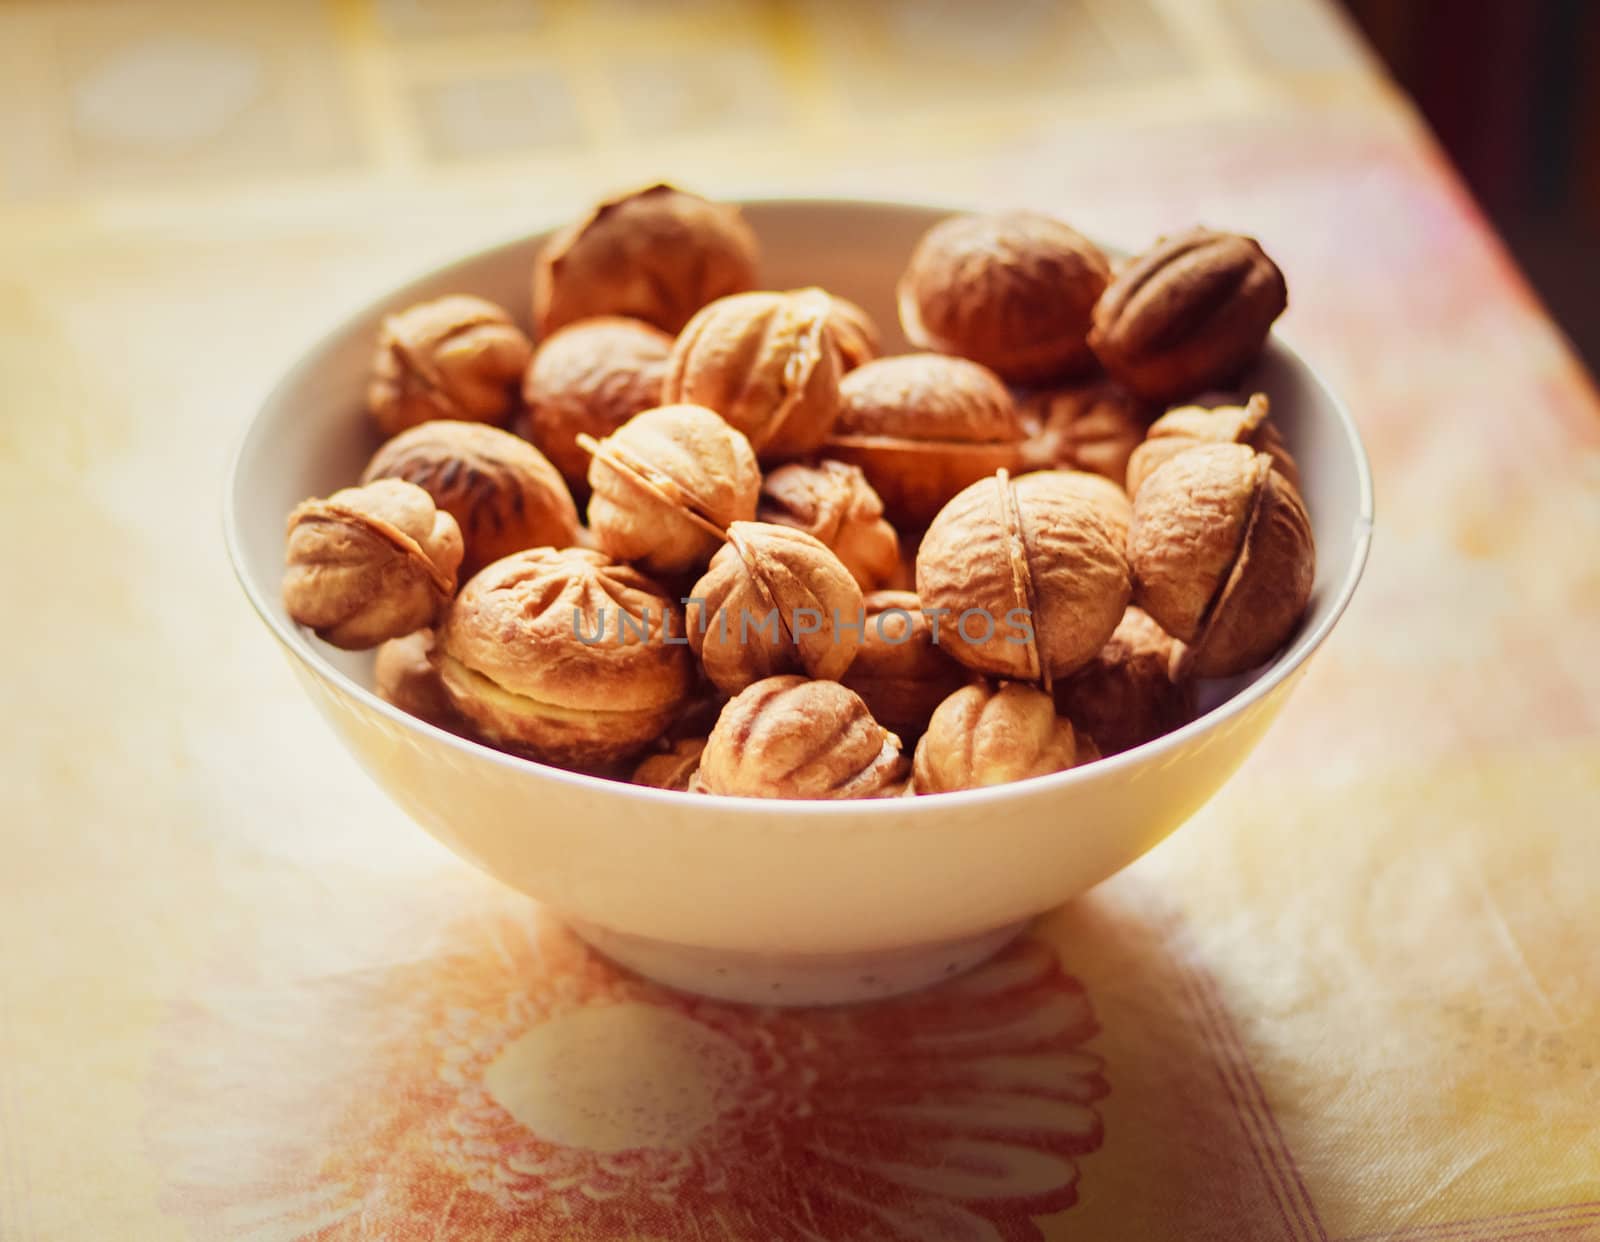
(795, 979)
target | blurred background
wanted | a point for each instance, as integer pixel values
(1504, 87)
(245, 108)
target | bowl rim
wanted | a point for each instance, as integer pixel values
(1289, 662)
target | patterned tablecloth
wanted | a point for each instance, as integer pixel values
(1357, 998)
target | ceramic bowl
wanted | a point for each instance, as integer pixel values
(769, 901)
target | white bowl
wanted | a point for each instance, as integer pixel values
(768, 901)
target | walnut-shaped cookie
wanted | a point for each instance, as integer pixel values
(854, 333)
(673, 768)
(455, 357)
(900, 671)
(1108, 498)
(504, 494)
(371, 563)
(922, 427)
(775, 600)
(658, 254)
(1014, 290)
(1189, 426)
(1222, 556)
(767, 363)
(987, 734)
(834, 502)
(665, 485)
(1029, 573)
(589, 378)
(1189, 314)
(1092, 427)
(564, 655)
(405, 674)
(1132, 692)
(791, 737)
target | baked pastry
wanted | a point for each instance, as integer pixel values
(1030, 572)
(370, 563)
(789, 737)
(665, 486)
(923, 426)
(775, 600)
(589, 378)
(987, 734)
(455, 357)
(567, 656)
(766, 362)
(899, 671)
(1222, 556)
(405, 674)
(833, 502)
(1132, 692)
(1014, 290)
(503, 493)
(673, 768)
(1189, 426)
(1189, 314)
(658, 254)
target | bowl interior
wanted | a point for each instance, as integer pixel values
(312, 436)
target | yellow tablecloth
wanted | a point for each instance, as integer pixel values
(1357, 998)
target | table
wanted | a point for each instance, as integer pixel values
(1357, 998)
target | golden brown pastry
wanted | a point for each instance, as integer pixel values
(673, 768)
(658, 254)
(773, 602)
(1189, 314)
(404, 673)
(455, 357)
(370, 563)
(666, 484)
(1092, 427)
(985, 734)
(589, 378)
(1131, 692)
(833, 502)
(1189, 426)
(922, 427)
(900, 673)
(1037, 564)
(788, 737)
(1014, 290)
(767, 363)
(504, 494)
(1222, 556)
(567, 656)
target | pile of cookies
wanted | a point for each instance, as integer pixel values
(703, 536)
